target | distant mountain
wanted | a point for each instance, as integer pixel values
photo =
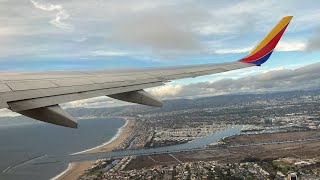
(175, 105)
(180, 104)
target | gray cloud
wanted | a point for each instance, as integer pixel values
(248, 25)
(146, 23)
(140, 26)
(61, 14)
(276, 80)
(314, 41)
(167, 30)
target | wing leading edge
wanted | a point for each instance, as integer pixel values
(38, 94)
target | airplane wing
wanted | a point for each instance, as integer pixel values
(38, 94)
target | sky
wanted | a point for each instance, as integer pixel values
(99, 34)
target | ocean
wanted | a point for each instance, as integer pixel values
(22, 142)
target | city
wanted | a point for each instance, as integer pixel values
(280, 137)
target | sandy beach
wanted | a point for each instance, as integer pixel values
(75, 170)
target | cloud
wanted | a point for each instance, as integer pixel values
(227, 51)
(61, 14)
(108, 53)
(314, 41)
(159, 30)
(8, 113)
(169, 90)
(278, 79)
(96, 102)
(282, 46)
(291, 46)
(275, 80)
(145, 28)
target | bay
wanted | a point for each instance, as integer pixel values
(22, 142)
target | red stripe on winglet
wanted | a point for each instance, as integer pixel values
(265, 50)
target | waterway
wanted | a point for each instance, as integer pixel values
(20, 143)
(34, 166)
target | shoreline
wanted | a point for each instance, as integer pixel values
(62, 173)
(75, 170)
(94, 148)
(119, 131)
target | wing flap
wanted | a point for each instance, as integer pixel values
(10, 76)
(72, 82)
(46, 92)
(4, 88)
(27, 85)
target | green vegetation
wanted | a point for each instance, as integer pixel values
(96, 172)
(284, 167)
(271, 166)
(281, 163)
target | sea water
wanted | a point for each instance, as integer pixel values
(22, 142)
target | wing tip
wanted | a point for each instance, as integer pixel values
(287, 17)
(264, 49)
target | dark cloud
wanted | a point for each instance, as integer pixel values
(314, 41)
(248, 24)
(160, 30)
(277, 80)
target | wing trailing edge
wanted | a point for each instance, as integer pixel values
(56, 115)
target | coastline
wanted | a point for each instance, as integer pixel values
(75, 170)
(108, 142)
(62, 173)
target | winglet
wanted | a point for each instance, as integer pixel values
(264, 49)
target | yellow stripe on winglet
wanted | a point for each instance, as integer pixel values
(283, 22)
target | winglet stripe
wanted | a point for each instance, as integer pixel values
(280, 26)
(263, 50)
